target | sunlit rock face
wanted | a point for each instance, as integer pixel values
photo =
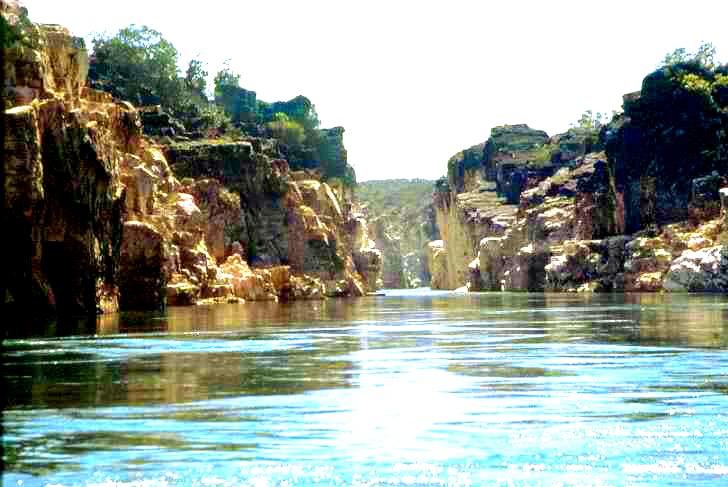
(565, 236)
(647, 214)
(239, 225)
(702, 270)
(368, 257)
(97, 219)
(479, 200)
(63, 192)
(437, 262)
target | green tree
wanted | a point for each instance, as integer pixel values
(289, 131)
(590, 120)
(196, 77)
(704, 56)
(139, 65)
(226, 80)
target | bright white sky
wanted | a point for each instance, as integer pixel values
(414, 82)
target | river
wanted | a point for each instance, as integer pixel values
(412, 388)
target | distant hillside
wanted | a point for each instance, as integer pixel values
(401, 216)
(386, 195)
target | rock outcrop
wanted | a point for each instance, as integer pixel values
(585, 221)
(463, 221)
(98, 220)
(63, 194)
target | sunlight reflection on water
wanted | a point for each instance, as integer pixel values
(413, 388)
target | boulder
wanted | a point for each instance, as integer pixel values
(704, 270)
(142, 273)
(437, 264)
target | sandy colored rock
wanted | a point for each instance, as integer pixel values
(142, 274)
(438, 265)
(704, 270)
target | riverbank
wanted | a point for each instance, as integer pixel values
(635, 204)
(106, 213)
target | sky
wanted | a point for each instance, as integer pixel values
(414, 82)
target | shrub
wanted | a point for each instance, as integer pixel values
(286, 130)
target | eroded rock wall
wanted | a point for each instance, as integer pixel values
(97, 219)
(566, 236)
(63, 194)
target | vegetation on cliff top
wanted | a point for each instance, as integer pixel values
(382, 196)
(139, 65)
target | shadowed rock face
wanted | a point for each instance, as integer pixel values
(260, 181)
(142, 277)
(96, 220)
(63, 194)
(671, 133)
(465, 169)
(565, 235)
(511, 152)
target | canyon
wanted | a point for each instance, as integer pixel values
(109, 206)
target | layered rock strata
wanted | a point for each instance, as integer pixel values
(62, 157)
(567, 232)
(97, 219)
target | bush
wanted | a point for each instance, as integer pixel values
(286, 130)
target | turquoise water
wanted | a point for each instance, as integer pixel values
(414, 388)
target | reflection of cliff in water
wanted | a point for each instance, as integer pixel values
(243, 317)
(645, 318)
(76, 380)
(699, 321)
(200, 353)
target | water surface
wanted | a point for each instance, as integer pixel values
(414, 388)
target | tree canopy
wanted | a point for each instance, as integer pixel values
(704, 56)
(139, 65)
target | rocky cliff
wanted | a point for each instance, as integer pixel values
(560, 214)
(401, 220)
(98, 217)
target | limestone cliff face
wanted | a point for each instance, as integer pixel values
(288, 218)
(567, 234)
(401, 223)
(482, 194)
(463, 220)
(97, 219)
(63, 194)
